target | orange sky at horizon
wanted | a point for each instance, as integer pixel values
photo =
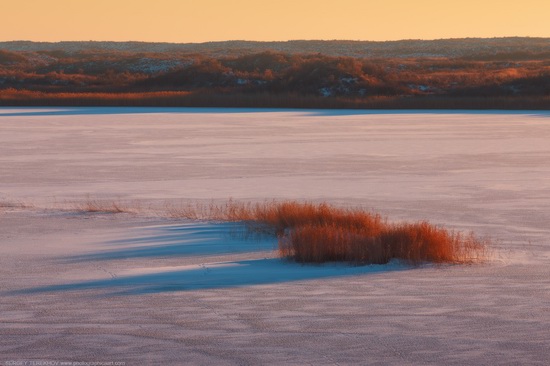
(218, 20)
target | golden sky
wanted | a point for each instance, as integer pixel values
(266, 20)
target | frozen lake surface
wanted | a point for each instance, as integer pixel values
(141, 288)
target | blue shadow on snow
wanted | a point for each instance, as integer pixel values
(217, 276)
(205, 240)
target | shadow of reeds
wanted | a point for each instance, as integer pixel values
(185, 240)
(217, 276)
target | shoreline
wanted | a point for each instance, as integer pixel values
(170, 99)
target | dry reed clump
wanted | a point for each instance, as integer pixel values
(317, 233)
(228, 211)
(104, 206)
(413, 243)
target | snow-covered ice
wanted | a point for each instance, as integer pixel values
(146, 289)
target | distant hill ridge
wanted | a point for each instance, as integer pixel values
(466, 73)
(451, 48)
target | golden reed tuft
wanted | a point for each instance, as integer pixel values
(318, 233)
